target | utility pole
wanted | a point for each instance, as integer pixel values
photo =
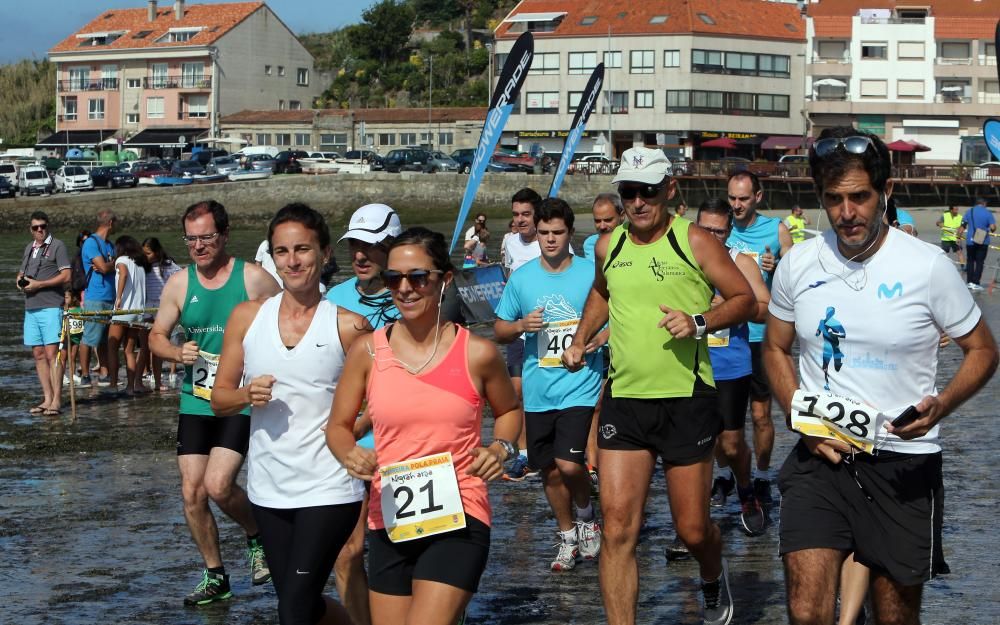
(430, 105)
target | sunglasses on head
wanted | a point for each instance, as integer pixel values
(418, 278)
(855, 144)
(647, 191)
(39, 227)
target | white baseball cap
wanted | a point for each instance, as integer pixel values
(372, 223)
(645, 165)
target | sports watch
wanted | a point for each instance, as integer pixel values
(700, 325)
(508, 448)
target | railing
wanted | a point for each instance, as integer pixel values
(987, 60)
(177, 82)
(893, 20)
(840, 60)
(69, 117)
(832, 97)
(988, 98)
(953, 60)
(946, 98)
(190, 115)
(101, 84)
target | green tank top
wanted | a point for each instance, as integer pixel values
(203, 318)
(646, 362)
(949, 226)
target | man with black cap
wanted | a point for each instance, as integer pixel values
(655, 277)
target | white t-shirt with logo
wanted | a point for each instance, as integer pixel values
(517, 252)
(886, 314)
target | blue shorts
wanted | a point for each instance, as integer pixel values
(93, 332)
(42, 326)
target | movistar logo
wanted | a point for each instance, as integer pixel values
(884, 292)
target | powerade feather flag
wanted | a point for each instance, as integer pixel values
(991, 129)
(512, 76)
(583, 111)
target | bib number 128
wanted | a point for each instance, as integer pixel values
(833, 416)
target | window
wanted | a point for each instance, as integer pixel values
(69, 109)
(192, 75)
(738, 63)
(263, 138)
(179, 36)
(774, 65)
(641, 62)
(833, 50)
(643, 99)
(910, 88)
(542, 102)
(246, 136)
(132, 118)
(772, 105)
(617, 101)
(573, 101)
(281, 105)
(874, 51)
(283, 139)
(706, 18)
(387, 138)
(79, 78)
(671, 58)
(588, 20)
(294, 105)
(302, 76)
(109, 77)
(910, 51)
(658, 19)
(955, 50)
(707, 62)
(708, 101)
(281, 70)
(425, 137)
(154, 108)
(582, 62)
(267, 70)
(446, 138)
(678, 101)
(874, 89)
(198, 106)
(545, 63)
(338, 141)
(407, 138)
(741, 64)
(727, 103)
(740, 103)
(612, 59)
(989, 49)
(498, 60)
(133, 83)
(159, 71)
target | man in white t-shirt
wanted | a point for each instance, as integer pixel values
(865, 302)
(263, 258)
(523, 247)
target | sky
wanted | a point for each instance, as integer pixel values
(32, 27)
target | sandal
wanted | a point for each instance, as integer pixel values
(39, 409)
(51, 412)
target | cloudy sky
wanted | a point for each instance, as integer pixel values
(31, 27)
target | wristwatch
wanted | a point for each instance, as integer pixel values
(700, 326)
(508, 448)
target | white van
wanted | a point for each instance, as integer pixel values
(270, 150)
(33, 179)
(8, 169)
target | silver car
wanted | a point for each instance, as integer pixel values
(224, 165)
(440, 161)
(259, 162)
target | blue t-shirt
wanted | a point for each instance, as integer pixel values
(752, 241)
(977, 217)
(905, 218)
(588, 247)
(101, 286)
(562, 295)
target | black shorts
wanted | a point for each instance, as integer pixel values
(892, 521)
(760, 388)
(734, 395)
(950, 246)
(515, 358)
(680, 429)
(301, 545)
(198, 434)
(557, 434)
(455, 558)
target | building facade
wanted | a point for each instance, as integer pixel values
(160, 78)
(677, 73)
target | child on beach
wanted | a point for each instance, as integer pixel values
(71, 343)
(160, 267)
(130, 294)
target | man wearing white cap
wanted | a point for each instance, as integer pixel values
(654, 281)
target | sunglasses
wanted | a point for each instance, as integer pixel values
(719, 232)
(39, 227)
(856, 144)
(418, 278)
(647, 191)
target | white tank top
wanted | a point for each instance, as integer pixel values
(289, 464)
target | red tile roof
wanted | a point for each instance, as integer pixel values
(830, 26)
(953, 19)
(756, 19)
(216, 19)
(451, 114)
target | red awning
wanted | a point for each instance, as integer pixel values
(780, 142)
(907, 145)
(722, 142)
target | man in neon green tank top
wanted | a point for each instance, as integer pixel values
(950, 223)
(210, 449)
(654, 280)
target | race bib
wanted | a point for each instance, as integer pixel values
(719, 338)
(827, 415)
(75, 326)
(553, 339)
(420, 498)
(203, 375)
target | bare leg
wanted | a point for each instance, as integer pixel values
(141, 361)
(220, 484)
(689, 492)
(199, 516)
(736, 455)
(853, 588)
(130, 359)
(335, 614)
(115, 334)
(574, 476)
(349, 572)
(522, 438)
(389, 609)
(592, 436)
(55, 376)
(895, 604)
(811, 577)
(763, 431)
(435, 603)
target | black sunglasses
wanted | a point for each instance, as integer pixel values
(719, 232)
(38, 227)
(647, 191)
(418, 278)
(856, 144)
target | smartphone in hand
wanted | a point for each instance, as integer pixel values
(907, 417)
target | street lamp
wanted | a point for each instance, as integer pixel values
(489, 73)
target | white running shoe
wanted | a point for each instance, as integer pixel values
(589, 536)
(568, 551)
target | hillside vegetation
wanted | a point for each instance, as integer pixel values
(27, 102)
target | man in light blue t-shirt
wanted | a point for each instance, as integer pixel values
(543, 301)
(98, 255)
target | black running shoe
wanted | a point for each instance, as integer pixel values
(752, 517)
(762, 491)
(677, 550)
(213, 587)
(721, 489)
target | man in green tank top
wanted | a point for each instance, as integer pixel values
(654, 280)
(210, 449)
(950, 223)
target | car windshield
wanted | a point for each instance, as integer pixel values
(35, 175)
(6, 169)
(224, 161)
(75, 171)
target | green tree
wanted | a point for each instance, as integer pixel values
(384, 32)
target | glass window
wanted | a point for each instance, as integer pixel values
(446, 138)
(192, 75)
(159, 74)
(643, 99)
(573, 101)
(612, 59)
(671, 58)
(741, 64)
(617, 101)
(707, 62)
(542, 102)
(294, 105)
(874, 88)
(774, 65)
(197, 106)
(133, 83)
(283, 139)
(641, 62)
(387, 138)
(955, 50)
(678, 101)
(154, 108)
(132, 118)
(910, 88)
(741, 102)
(267, 70)
(302, 76)
(874, 50)
(69, 109)
(545, 63)
(263, 138)
(109, 76)
(79, 78)
(582, 62)
(911, 50)
(281, 70)
(407, 138)
(498, 60)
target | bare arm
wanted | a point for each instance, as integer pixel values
(510, 331)
(761, 293)
(171, 302)
(785, 239)
(595, 311)
(228, 397)
(120, 287)
(259, 283)
(722, 272)
(359, 462)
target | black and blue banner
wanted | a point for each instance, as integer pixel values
(587, 104)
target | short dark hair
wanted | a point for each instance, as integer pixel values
(39, 216)
(554, 208)
(717, 206)
(744, 173)
(875, 161)
(432, 242)
(527, 196)
(218, 212)
(981, 201)
(301, 214)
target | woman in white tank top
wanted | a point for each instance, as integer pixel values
(283, 356)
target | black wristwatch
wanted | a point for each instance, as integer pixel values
(508, 448)
(700, 325)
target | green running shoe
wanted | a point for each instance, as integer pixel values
(213, 587)
(259, 572)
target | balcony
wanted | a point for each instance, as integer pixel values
(68, 117)
(829, 67)
(953, 60)
(178, 82)
(949, 98)
(182, 115)
(101, 84)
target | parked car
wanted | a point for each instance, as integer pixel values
(287, 162)
(373, 159)
(112, 177)
(990, 170)
(441, 162)
(205, 156)
(258, 162)
(407, 159)
(222, 165)
(329, 155)
(680, 166)
(594, 164)
(33, 179)
(465, 156)
(6, 188)
(8, 171)
(145, 172)
(796, 165)
(186, 168)
(72, 178)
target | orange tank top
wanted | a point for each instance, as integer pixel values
(416, 415)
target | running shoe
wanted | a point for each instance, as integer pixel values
(566, 557)
(84, 382)
(752, 517)
(677, 550)
(259, 573)
(718, 601)
(589, 538)
(592, 472)
(213, 587)
(103, 380)
(762, 491)
(721, 489)
(518, 470)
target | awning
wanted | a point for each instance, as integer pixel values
(166, 137)
(76, 138)
(781, 142)
(829, 82)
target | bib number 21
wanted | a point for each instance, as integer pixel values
(420, 497)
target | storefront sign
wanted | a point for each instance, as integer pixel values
(548, 134)
(873, 124)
